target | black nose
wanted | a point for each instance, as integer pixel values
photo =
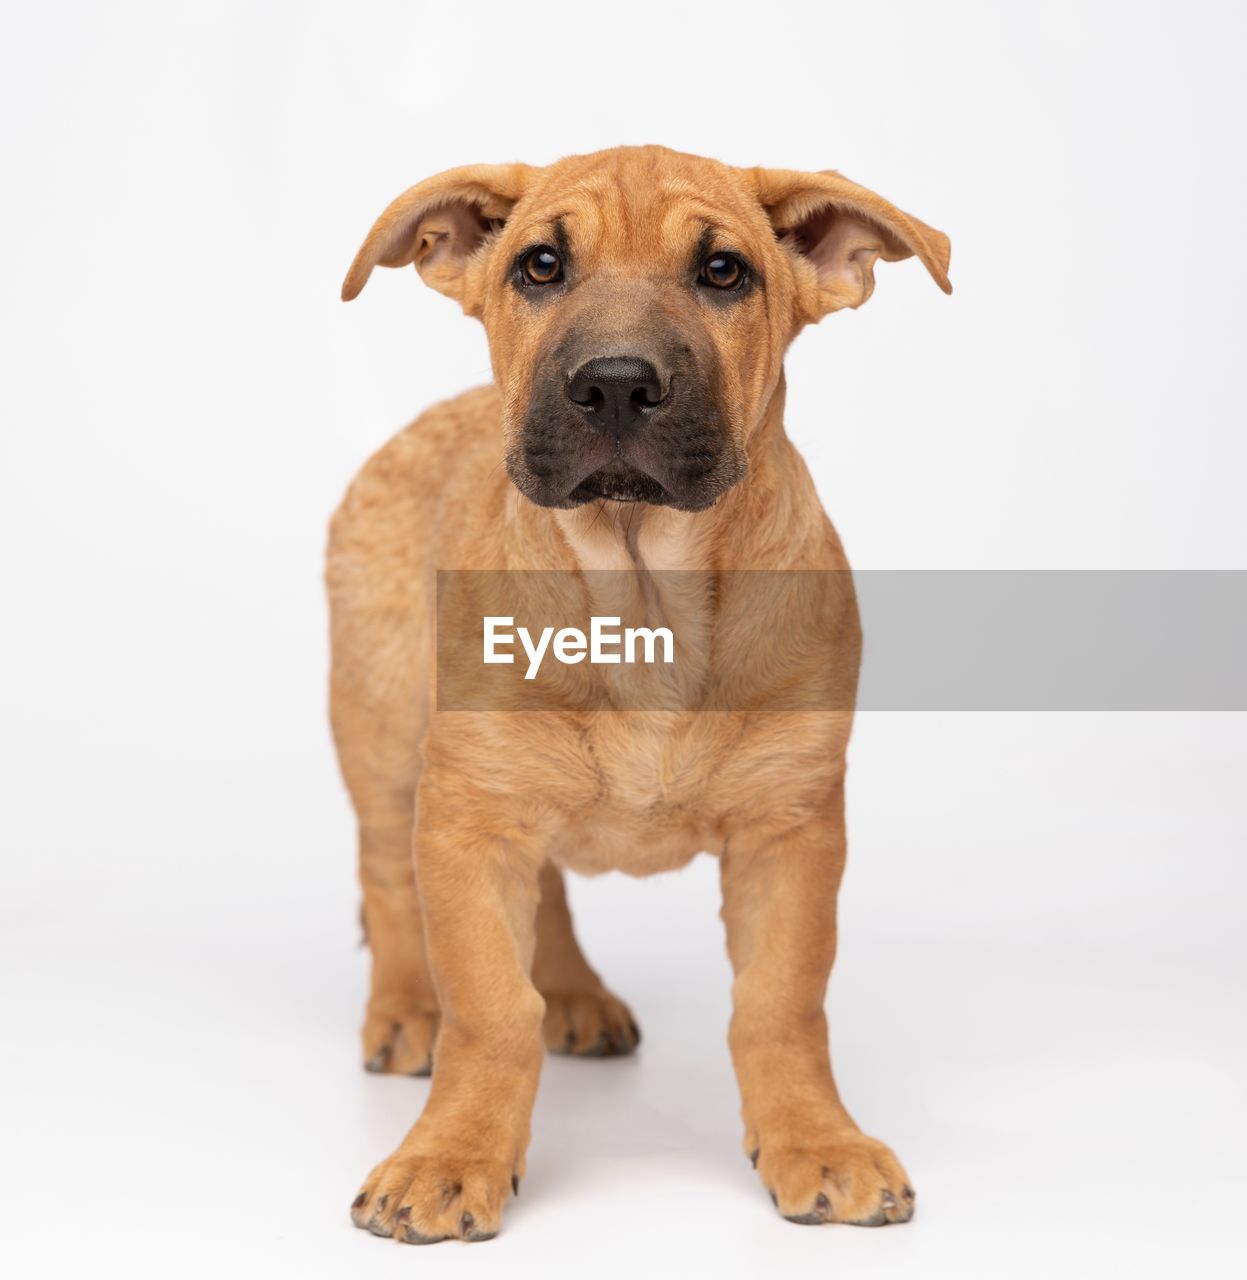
(616, 392)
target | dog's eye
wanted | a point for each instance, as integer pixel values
(722, 271)
(541, 265)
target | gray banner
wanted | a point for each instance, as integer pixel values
(1081, 640)
(951, 640)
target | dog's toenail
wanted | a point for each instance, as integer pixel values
(602, 1047)
(377, 1223)
(819, 1214)
(888, 1200)
(382, 1203)
(753, 1156)
(412, 1236)
(403, 1214)
(515, 1185)
(359, 1200)
(378, 1061)
(907, 1191)
(466, 1223)
(804, 1219)
(775, 1199)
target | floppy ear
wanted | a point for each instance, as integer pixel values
(438, 224)
(841, 229)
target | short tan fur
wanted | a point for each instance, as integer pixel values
(466, 819)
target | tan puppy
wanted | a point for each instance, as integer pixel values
(638, 304)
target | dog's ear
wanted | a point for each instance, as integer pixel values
(439, 224)
(840, 229)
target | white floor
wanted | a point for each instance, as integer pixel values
(1040, 1004)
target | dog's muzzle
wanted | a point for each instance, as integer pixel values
(628, 428)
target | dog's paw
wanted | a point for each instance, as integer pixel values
(402, 1047)
(588, 1024)
(851, 1179)
(423, 1199)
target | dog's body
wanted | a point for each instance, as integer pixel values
(668, 454)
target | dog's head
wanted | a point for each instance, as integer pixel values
(638, 304)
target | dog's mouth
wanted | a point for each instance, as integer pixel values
(619, 483)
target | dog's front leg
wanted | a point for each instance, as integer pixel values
(453, 1172)
(779, 906)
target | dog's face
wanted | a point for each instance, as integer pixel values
(638, 304)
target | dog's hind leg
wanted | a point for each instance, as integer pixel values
(582, 1017)
(378, 739)
(400, 1024)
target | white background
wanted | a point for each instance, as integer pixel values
(1041, 991)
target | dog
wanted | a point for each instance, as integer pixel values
(638, 304)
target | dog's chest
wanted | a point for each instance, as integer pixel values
(666, 787)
